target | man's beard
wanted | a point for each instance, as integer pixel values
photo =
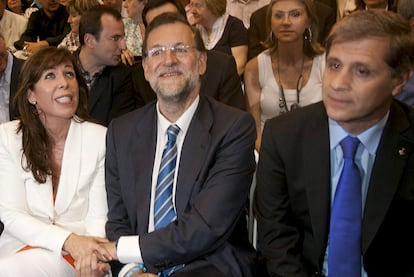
(179, 93)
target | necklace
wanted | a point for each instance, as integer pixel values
(282, 99)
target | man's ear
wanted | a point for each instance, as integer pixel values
(202, 63)
(145, 67)
(90, 40)
(400, 81)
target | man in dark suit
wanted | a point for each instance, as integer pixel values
(9, 74)
(299, 180)
(111, 92)
(210, 181)
(220, 80)
(258, 32)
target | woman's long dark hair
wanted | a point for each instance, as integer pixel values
(36, 142)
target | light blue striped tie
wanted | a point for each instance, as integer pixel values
(164, 212)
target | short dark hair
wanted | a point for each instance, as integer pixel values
(153, 4)
(378, 23)
(91, 23)
(171, 18)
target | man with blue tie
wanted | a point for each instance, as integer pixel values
(335, 180)
(178, 171)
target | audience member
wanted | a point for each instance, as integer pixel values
(46, 27)
(102, 39)
(117, 5)
(32, 6)
(289, 74)
(243, 9)
(345, 7)
(15, 6)
(334, 193)
(75, 9)
(220, 31)
(134, 31)
(207, 178)
(12, 25)
(53, 200)
(375, 4)
(406, 9)
(220, 80)
(9, 74)
(258, 32)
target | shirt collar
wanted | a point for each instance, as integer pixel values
(183, 122)
(369, 138)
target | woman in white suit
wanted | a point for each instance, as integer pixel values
(52, 191)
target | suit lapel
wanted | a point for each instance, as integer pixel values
(193, 154)
(318, 181)
(395, 147)
(95, 94)
(70, 170)
(146, 137)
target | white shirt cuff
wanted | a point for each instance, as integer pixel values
(128, 250)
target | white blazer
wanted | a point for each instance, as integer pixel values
(26, 207)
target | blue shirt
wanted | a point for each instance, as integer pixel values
(364, 158)
(5, 81)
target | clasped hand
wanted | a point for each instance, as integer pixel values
(90, 255)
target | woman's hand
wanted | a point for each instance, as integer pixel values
(33, 47)
(91, 267)
(127, 57)
(80, 247)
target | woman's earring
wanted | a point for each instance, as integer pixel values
(271, 37)
(308, 34)
(33, 102)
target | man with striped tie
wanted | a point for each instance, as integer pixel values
(178, 171)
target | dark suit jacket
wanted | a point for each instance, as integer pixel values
(215, 172)
(258, 33)
(41, 27)
(293, 195)
(17, 65)
(112, 94)
(220, 81)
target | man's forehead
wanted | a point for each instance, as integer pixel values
(110, 23)
(171, 33)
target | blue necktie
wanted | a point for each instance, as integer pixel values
(344, 254)
(164, 212)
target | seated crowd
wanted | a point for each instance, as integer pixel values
(131, 133)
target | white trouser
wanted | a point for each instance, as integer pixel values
(35, 262)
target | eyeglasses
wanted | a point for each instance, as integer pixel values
(180, 50)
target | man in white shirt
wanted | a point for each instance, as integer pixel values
(208, 184)
(243, 9)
